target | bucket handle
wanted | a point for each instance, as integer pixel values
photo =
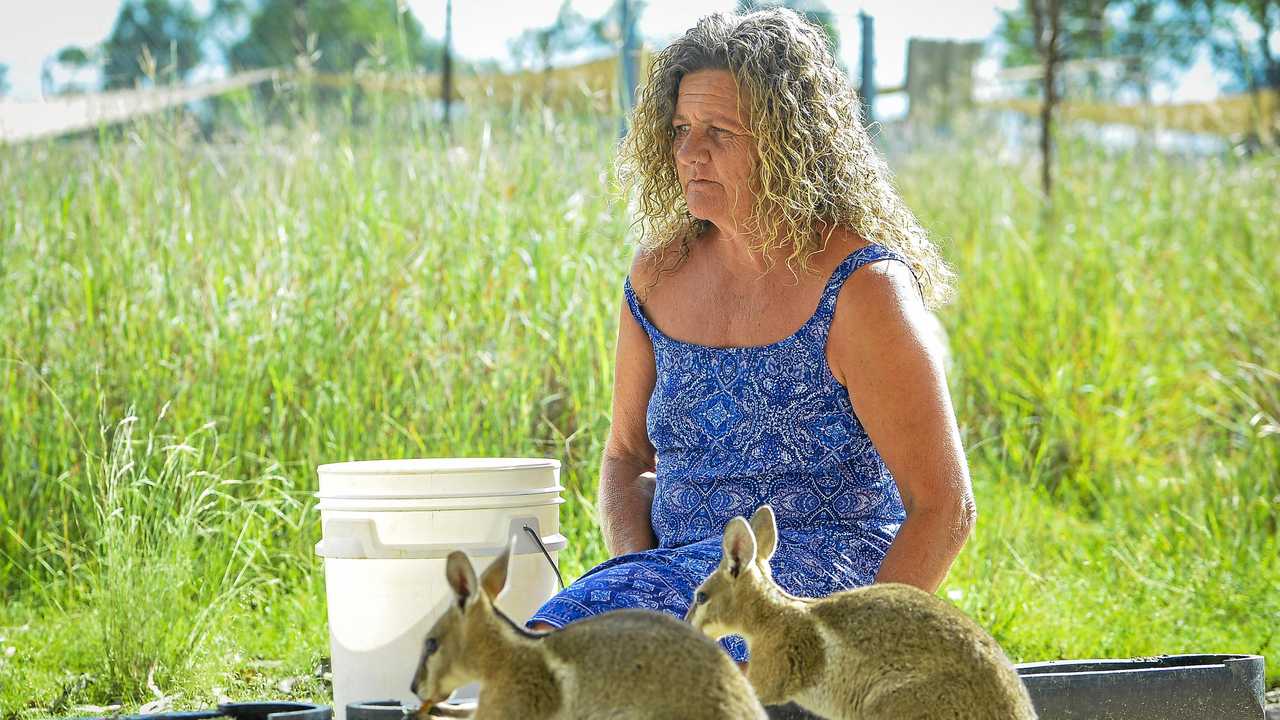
(358, 540)
(534, 534)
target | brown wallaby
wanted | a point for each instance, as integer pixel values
(634, 664)
(887, 651)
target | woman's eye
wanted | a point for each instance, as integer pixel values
(701, 597)
(681, 129)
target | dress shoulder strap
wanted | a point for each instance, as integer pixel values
(633, 303)
(858, 258)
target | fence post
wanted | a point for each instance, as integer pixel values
(868, 87)
(629, 60)
(446, 66)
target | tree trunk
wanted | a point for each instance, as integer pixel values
(1046, 22)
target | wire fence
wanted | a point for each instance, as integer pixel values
(595, 85)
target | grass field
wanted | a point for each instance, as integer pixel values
(187, 328)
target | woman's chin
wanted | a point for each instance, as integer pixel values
(700, 208)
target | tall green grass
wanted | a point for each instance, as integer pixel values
(1118, 395)
(189, 326)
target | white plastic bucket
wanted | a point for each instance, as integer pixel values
(388, 526)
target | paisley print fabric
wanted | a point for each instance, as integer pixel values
(736, 428)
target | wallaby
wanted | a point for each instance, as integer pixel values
(635, 664)
(888, 650)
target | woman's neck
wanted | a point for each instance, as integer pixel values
(739, 251)
(737, 248)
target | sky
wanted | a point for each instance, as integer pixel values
(31, 31)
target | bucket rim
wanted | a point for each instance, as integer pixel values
(321, 495)
(399, 505)
(435, 466)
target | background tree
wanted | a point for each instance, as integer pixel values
(1149, 40)
(151, 36)
(74, 59)
(226, 24)
(1252, 63)
(1159, 39)
(334, 36)
(570, 32)
(814, 10)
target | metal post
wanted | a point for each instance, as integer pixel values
(868, 88)
(446, 66)
(629, 59)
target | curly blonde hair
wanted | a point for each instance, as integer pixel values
(816, 164)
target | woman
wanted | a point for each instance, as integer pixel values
(763, 208)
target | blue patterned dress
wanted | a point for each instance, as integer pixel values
(734, 429)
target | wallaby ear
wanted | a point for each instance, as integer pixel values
(765, 527)
(461, 577)
(739, 546)
(494, 577)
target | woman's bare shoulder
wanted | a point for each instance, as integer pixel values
(651, 266)
(643, 267)
(839, 242)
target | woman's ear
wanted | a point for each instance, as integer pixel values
(739, 546)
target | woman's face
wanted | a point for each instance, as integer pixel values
(714, 149)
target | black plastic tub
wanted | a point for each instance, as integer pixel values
(242, 711)
(1168, 687)
(393, 710)
(377, 710)
(1221, 687)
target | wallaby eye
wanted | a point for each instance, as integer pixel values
(700, 598)
(430, 646)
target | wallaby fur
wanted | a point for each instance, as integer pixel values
(887, 651)
(633, 664)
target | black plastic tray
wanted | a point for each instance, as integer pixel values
(1221, 687)
(1168, 687)
(239, 711)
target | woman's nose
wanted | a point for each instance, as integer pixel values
(692, 149)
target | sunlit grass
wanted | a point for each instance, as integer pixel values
(326, 290)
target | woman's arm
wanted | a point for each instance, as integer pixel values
(882, 351)
(626, 496)
(626, 485)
